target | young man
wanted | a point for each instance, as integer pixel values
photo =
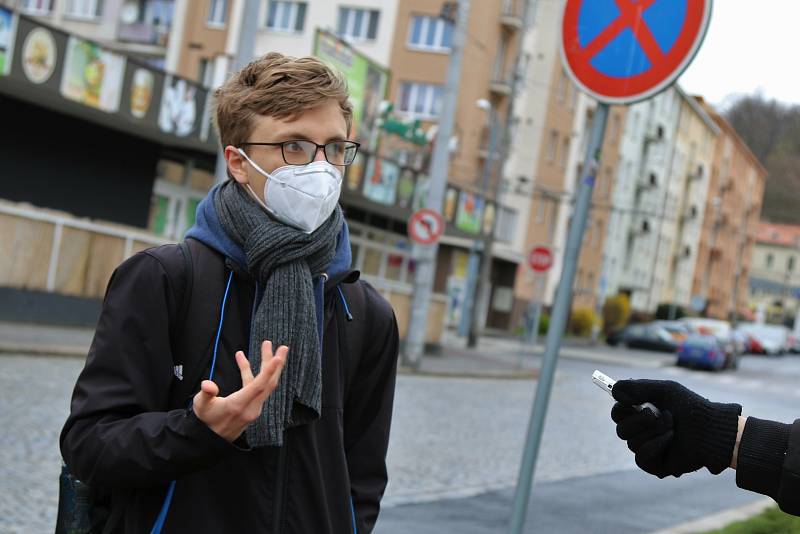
(287, 442)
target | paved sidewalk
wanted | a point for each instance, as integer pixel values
(627, 502)
(494, 357)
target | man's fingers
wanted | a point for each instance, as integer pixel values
(244, 368)
(266, 352)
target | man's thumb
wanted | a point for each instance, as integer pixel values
(208, 390)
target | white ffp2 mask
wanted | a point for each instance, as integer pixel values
(301, 196)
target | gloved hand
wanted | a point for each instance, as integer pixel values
(691, 432)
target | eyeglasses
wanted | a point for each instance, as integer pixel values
(303, 151)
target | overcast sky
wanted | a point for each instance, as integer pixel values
(750, 45)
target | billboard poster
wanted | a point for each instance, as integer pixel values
(180, 107)
(39, 55)
(405, 189)
(380, 182)
(450, 204)
(367, 82)
(7, 27)
(92, 75)
(355, 172)
(470, 210)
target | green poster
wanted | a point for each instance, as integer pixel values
(366, 80)
(6, 39)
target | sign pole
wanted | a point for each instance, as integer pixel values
(558, 320)
(425, 255)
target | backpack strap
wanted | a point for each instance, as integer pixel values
(198, 318)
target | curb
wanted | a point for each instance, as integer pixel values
(721, 519)
(44, 350)
(528, 374)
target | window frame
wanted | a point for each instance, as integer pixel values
(364, 22)
(211, 20)
(430, 111)
(439, 29)
(294, 8)
(29, 10)
(78, 9)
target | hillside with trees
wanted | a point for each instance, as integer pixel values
(772, 131)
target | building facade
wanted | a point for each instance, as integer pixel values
(774, 277)
(733, 205)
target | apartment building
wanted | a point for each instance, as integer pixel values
(685, 205)
(553, 122)
(138, 28)
(774, 277)
(733, 204)
(418, 63)
(659, 200)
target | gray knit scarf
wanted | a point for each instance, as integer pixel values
(283, 260)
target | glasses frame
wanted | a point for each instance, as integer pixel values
(316, 150)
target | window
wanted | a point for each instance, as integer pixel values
(355, 23)
(36, 7)
(790, 264)
(156, 13)
(564, 152)
(430, 33)
(769, 261)
(217, 12)
(505, 228)
(421, 99)
(286, 16)
(206, 72)
(552, 148)
(84, 9)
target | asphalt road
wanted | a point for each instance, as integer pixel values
(455, 447)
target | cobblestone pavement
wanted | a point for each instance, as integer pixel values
(34, 395)
(451, 437)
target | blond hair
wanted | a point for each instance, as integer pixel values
(276, 86)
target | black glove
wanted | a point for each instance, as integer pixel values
(691, 432)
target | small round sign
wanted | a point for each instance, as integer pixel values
(540, 259)
(425, 226)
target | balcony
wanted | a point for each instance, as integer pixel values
(141, 33)
(500, 86)
(511, 15)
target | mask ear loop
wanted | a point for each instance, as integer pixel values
(250, 189)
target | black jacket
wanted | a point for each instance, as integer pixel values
(769, 461)
(130, 432)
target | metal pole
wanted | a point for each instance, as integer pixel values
(244, 54)
(478, 252)
(425, 255)
(558, 320)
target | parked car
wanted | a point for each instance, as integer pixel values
(706, 351)
(677, 329)
(768, 339)
(732, 345)
(649, 336)
(617, 336)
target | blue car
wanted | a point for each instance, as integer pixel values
(701, 351)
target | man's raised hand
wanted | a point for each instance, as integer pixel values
(229, 416)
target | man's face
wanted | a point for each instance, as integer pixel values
(321, 124)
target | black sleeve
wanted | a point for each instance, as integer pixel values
(769, 461)
(368, 412)
(120, 433)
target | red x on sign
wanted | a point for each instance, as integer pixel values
(622, 51)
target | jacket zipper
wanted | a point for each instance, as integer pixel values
(280, 487)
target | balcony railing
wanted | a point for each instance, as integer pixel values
(511, 15)
(143, 33)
